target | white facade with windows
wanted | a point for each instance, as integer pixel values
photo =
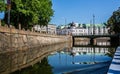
(87, 51)
(50, 29)
(79, 30)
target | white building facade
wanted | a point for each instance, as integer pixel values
(50, 29)
(79, 30)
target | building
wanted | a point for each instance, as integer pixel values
(50, 29)
(76, 29)
(88, 51)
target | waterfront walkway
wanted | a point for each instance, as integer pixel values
(115, 65)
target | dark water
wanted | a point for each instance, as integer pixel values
(80, 60)
(73, 60)
(59, 59)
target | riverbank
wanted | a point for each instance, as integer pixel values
(19, 59)
(12, 39)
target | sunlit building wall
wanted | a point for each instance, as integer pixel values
(75, 29)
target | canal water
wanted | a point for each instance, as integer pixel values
(62, 59)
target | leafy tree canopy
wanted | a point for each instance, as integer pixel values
(114, 22)
(2, 5)
(30, 12)
(38, 68)
(84, 25)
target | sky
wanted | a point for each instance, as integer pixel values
(82, 11)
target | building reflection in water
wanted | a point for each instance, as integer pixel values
(89, 51)
(16, 60)
(81, 58)
(58, 58)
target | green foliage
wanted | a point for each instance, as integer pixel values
(38, 68)
(114, 22)
(30, 12)
(110, 52)
(84, 25)
(2, 5)
(105, 24)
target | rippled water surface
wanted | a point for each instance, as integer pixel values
(80, 60)
(58, 59)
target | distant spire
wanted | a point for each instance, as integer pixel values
(93, 19)
(93, 24)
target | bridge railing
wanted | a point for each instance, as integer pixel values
(75, 34)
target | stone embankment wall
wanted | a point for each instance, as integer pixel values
(24, 58)
(13, 39)
(28, 48)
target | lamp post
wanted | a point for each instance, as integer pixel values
(9, 8)
(90, 28)
(65, 27)
(93, 24)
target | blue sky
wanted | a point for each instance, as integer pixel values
(81, 11)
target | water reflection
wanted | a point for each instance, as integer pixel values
(59, 58)
(12, 61)
(38, 68)
(82, 59)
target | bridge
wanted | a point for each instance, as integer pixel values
(113, 37)
(95, 36)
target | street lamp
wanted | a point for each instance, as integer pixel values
(9, 8)
(93, 24)
(65, 27)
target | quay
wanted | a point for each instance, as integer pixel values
(12, 39)
(21, 48)
(115, 64)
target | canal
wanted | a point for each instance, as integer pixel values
(59, 59)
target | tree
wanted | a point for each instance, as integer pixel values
(84, 25)
(2, 5)
(113, 22)
(30, 12)
(38, 68)
(105, 24)
(45, 11)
